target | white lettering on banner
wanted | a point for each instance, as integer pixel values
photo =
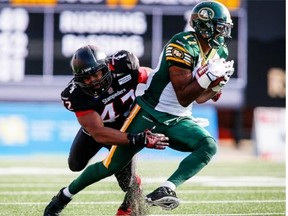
(108, 43)
(14, 19)
(65, 129)
(13, 43)
(42, 130)
(115, 31)
(102, 22)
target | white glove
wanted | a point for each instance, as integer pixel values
(214, 69)
(228, 74)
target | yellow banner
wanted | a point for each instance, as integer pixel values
(33, 2)
(128, 4)
(123, 3)
(231, 4)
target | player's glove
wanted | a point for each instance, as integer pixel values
(123, 61)
(228, 74)
(213, 70)
(217, 96)
(148, 140)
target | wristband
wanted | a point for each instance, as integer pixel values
(204, 81)
(136, 139)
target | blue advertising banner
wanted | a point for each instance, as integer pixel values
(48, 128)
(35, 128)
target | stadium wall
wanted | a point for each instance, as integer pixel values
(48, 128)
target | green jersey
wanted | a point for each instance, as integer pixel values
(182, 50)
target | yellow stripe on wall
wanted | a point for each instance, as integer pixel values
(231, 4)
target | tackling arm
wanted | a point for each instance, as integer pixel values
(93, 123)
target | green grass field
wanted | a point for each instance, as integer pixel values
(224, 187)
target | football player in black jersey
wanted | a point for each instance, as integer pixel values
(101, 94)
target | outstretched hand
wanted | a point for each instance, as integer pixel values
(155, 140)
(149, 139)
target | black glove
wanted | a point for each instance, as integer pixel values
(148, 140)
(123, 61)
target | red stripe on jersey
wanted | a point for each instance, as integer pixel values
(143, 74)
(82, 113)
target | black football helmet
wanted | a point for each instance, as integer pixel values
(87, 61)
(213, 22)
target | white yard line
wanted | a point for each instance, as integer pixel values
(40, 193)
(213, 181)
(34, 171)
(225, 181)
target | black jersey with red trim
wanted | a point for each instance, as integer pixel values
(113, 105)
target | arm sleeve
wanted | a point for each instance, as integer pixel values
(76, 100)
(82, 113)
(178, 55)
(143, 74)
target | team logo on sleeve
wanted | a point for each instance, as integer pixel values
(177, 53)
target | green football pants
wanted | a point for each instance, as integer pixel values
(184, 135)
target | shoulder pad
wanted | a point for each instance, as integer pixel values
(123, 61)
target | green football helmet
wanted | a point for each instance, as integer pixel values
(87, 61)
(213, 22)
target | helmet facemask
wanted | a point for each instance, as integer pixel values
(221, 35)
(87, 63)
(216, 33)
(96, 87)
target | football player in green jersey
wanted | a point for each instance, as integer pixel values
(192, 68)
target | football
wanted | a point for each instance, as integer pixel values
(216, 82)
